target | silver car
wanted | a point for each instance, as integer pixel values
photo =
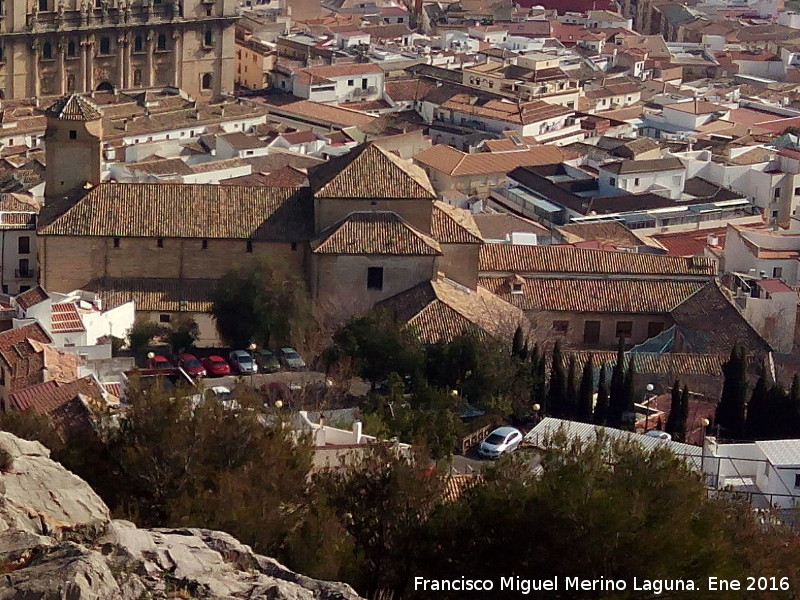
(500, 441)
(243, 363)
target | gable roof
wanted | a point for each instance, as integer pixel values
(707, 322)
(44, 398)
(65, 318)
(509, 258)
(375, 233)
(625, 166)
(74, 108)
(609, 233)
(451, 225)
(32, 331)
(183, 211)
(441, 310)
(454, 162)
(369, 171)
(155, 295)
(31, 297)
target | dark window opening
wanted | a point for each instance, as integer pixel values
(591, 332)
(160, 242)
(294, 246)
(375, 278)
(206, 81)
(654, 328)
(24, 267)
(47, 51)
(73, 134)
(72, 49)
(164, 318)
(205, 244)
(24, 245)
(116, 242)
(43, 5)
(138, 44)
(624, 329)
(161, 43)
(560, 326)
(797, 480)
(24, 288)
(249, 246)
(105, 45)
(208, 38)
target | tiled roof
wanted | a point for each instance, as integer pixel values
(368, 171)
(454, 162)
(696, 107)
(374, 233)
(451, 225)
(657, 363)
(31, 297)
(690, 243)
(316, 112)
(46, 397)
(74, 108)
(287, 177)
(595, 295)
(457, 484)
(400, 90)
(497, 226)
(65, 318)
(608, 233)
(184, 211)
(157, 295)
(442, 310)
(510, 112)
(508, 258)
(33, 331)
(625, 167)
(18, 203)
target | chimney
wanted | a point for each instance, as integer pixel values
(357, 432)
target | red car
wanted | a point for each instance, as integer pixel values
(159, 362)
(216, 366)
(190, 364)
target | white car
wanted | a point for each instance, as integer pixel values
(500, 441)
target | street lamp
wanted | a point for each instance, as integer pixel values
(649, 390)
(150, 356)
(705, 423)
(252, 347)
(536, 408)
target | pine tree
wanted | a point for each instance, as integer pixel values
(683, 415)
(585, 395)
(557, 393)
(674, 410)
(730, 414)
(571, 405)
(601, 408)
(518, 343)
(616, 401)
(757, 411)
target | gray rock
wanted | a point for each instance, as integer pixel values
(57, 541)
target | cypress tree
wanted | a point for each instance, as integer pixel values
(730, 413)
(629, 395)
(601, 408)
(585, 395)
(517, 343)
(757, 411)
(616, 400)
(794, 408)
(524, 354)
(674, 410)
(776, 424)
(541, 379)
(683, 415)
(571, 404)
(557, 393)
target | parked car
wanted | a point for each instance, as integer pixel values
(291, 359)
(501, 441)
(159, 362)
(267, 361)
(242, 362)
(216, 366)
(191, 364)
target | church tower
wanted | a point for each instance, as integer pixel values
(73, 146)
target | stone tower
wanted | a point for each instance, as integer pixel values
(73, 146)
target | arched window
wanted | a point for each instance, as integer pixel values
(105, 45)
(47, 51)
(72, 48)
(206, 81)
(208, 38)
(70, 83)
(161, 43)
(138, 44)
(137, 77)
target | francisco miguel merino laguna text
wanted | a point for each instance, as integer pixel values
(553, 584)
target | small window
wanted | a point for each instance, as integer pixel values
(777, 193)
(161, 42)
(24, 245)
(72, 49)
(636, 181)
(204, 244)
(5, 289)
(205, 83)
(73, 134)
(137, 77)
(294, 246)
(777, 272)
(624, 329)
(351, 82)
(560, 326)
(774, 214)
(797, 191)
(208, 38)
(116, 242)
(138, 44)
(612, 181)
(24, 288)
(160, 242)
(797, 480)
(163, 318)
(105, 45)
(654, 328)
(375, 278)
(43, 5)
(249, 245)
(47, 51)
(591, 332)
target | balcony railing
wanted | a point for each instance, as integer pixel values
(25, 273)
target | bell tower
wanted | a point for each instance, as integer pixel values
(73, 147)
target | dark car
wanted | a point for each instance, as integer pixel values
(291, 359)
(216, 366)
(267, 361)
(191, 364)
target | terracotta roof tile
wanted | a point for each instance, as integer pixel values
(451, 225)
(656, 363)
(157, 295)
(74, 108)
(608, 233)
(65, 318)
(508, 258)
(368, 171)
(33, 331)
(500, 226)
(184, 210)
(375, 233)
(595, 295)
(31, 297)
(46, 397)
(442, 310)
(454, 162)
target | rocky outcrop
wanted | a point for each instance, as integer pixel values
(57, 541)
